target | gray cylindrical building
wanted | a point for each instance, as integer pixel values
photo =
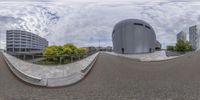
(133, 36)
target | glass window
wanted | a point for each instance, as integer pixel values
(138, 24)
(147, 27)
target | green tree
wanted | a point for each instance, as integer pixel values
(70, 49)
(182, 46)
(60, 54)
(82, 51)
(53, 52)
(67, 51)
(170, 48)
(188, 46)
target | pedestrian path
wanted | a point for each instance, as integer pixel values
(155, 56)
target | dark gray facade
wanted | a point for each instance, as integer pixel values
(22, 42)
(133, 36)
(158, 45)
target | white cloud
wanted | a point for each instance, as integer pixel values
(87, 22)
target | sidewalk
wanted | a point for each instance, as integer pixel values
(155, 56)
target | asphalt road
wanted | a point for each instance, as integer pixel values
(116, 78)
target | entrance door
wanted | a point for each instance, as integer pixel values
(150, 50)
(122, 50)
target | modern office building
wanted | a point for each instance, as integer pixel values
(22, 42)
(194, 37)
(133, 36)
(181, 36)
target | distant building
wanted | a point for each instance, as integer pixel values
(194, 37)
(108, 48)
(21, 42)
(158, 45)
(99, 48)
(182, 36)
(90, 50)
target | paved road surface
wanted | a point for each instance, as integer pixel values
(115, 78)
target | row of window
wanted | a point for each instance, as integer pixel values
(22, 49)
(24, 37)
(27, 43)
(18, 44)
(139, 24)
(23, 34)
(33, 46)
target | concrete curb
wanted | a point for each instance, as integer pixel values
(24, 76)
(71, 79)
(64, 81)
(85, 70)
(154, 59)
(55, 81)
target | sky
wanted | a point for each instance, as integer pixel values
(90, 22)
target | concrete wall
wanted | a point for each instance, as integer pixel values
(53, 76)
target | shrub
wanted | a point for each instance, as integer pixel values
(170, 48)
(53, 52)
(70, 49)
(82, 51)
(60, 53)
(182, 46)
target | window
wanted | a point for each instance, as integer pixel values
(10, 45)
(147, 27)
(113, 33)
(139, 24)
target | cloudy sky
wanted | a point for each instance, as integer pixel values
(90, 22)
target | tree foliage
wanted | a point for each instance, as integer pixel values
(57, 52)
(53, 52)
(181, 46)
(82, 51)
(70, 49)
(170, 48)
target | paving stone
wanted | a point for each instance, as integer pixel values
(117, 78)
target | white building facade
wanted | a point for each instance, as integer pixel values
(22, 42)
(194, 37)
(182, 36)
